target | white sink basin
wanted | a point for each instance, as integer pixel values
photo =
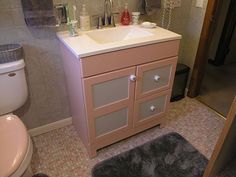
(98, 41)
(109, 35)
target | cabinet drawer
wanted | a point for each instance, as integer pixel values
(155, 77)
(102, 63)
(151, 107)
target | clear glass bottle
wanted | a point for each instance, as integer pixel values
(125, 16)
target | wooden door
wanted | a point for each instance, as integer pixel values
(198, 71)
(225, 150)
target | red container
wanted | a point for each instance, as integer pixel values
(125, 16)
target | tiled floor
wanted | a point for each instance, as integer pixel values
(60, 153)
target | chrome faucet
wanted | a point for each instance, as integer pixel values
(108, 18)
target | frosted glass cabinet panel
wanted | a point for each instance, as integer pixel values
(110, 122)
(110, 91)
(109, 88)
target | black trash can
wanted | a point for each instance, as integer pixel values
(180, 81)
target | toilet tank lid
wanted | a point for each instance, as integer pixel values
(11, 66)
(14, 143)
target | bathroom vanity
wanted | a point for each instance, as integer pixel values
(119, 81)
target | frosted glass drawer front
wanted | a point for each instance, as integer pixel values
(110, 91)
(156, 78)
(110, 122)
(152, 107)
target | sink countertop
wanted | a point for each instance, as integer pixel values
(83, 46)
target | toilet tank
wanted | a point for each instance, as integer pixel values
(13, 86)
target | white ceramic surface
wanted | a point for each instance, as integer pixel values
(111, 35)
(99, 41)
(148, 25)
(13, 86)
(24, 170)
(14, 144)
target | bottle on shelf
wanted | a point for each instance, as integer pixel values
(125, 16)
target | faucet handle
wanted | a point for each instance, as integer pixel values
(106, 20)
(99, 22)
(113, 24)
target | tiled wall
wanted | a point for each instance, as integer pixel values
(48, 100)
(186, 20)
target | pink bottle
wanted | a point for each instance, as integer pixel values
(125, 17)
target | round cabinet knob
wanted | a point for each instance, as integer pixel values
(132, 78)
(157, 78)
(153, 108)
(11, 74)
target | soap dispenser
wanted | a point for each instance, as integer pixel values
(125, 16)
(84, 19)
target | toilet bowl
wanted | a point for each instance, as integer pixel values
(16, 148)
(15, 144)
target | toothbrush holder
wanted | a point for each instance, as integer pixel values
(72, 27)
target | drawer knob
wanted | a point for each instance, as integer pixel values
(132, 78)
(153, 108)
(156, 78)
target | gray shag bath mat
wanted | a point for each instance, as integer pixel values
(40, 175)
(167, 156)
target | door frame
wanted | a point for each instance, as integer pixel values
(213, 7)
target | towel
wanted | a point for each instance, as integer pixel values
(149, 6)
(39, 13)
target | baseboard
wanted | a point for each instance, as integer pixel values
(49, 127)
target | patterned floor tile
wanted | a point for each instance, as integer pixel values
(60, 153)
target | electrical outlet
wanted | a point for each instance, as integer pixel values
(199, 3)
(167, 4)
(172, 4)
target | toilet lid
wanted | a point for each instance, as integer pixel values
(13, 144)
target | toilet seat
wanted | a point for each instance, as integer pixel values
(14, 144)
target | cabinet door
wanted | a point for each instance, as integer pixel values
(155, 77)
(151, 108)
(109, 102)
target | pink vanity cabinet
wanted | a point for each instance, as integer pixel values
(117, 94)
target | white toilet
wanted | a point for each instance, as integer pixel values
(15, 144)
